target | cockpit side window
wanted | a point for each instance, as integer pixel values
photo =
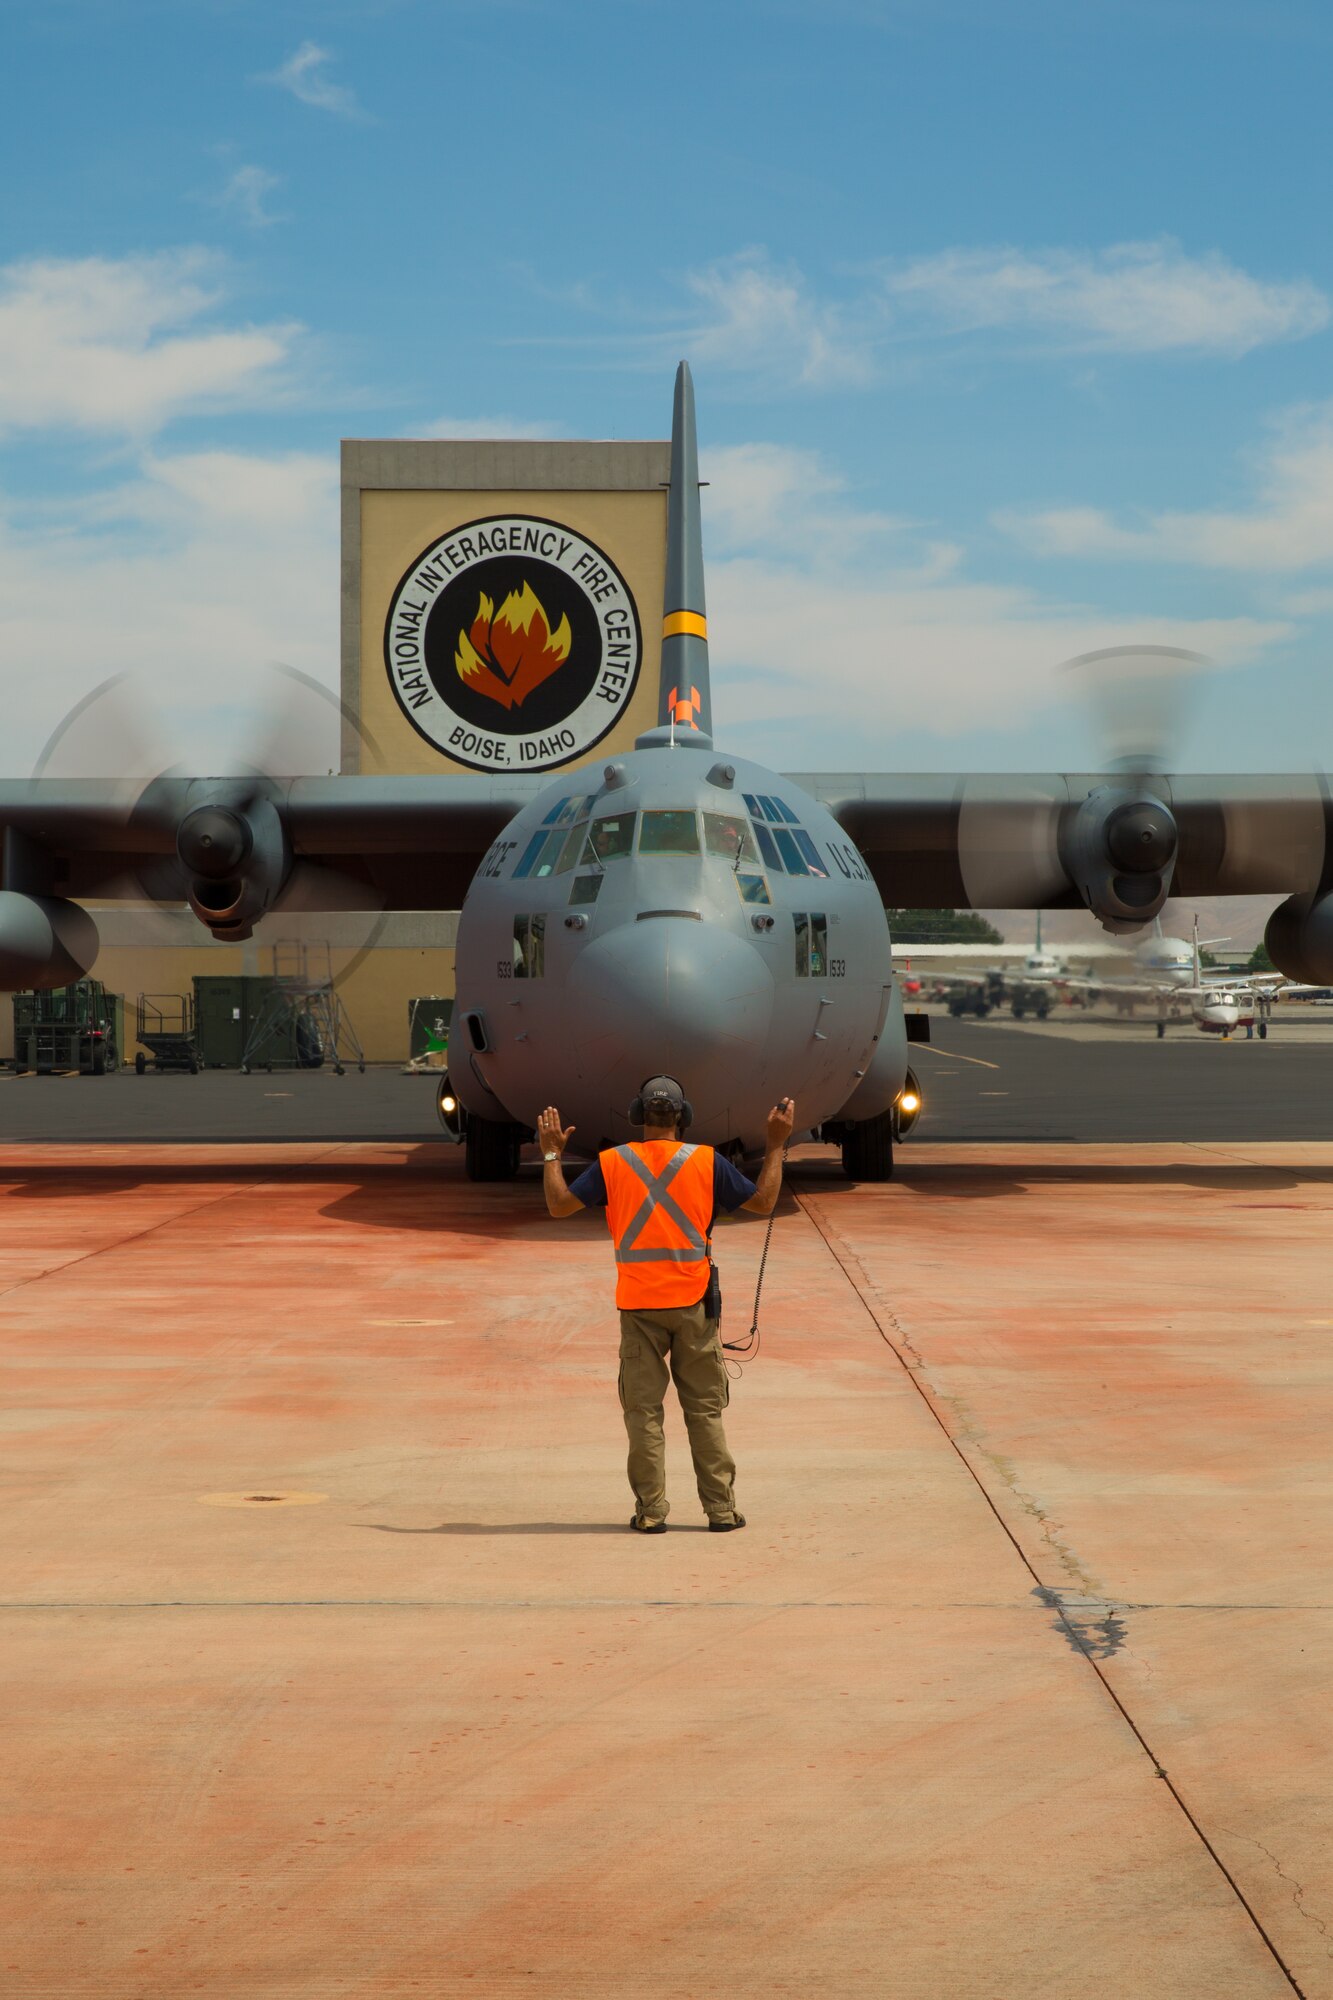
(810, 851)
(729, 835)
(575, 808)
(543, 863)
(790, 852)
(572, 848)
(553, 817)
(669, 833)
(608, 839)
(585, 889)
(529, 855)
(753, 889)
(768, 847)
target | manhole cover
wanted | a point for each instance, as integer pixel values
(261, 1499)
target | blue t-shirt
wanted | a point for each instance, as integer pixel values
(730, 1189)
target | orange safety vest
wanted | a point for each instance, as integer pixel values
(659, 1205)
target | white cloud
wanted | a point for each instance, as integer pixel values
(104, 345)
(202, 567)
(767, 498)
(245, 194)
(834, 630)
(1289, 528)
(849, 662)
(306, 76)
(485, 427)
(762, 318)
(1133, 298)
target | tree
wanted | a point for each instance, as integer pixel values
(1259, 960)
(941, 927)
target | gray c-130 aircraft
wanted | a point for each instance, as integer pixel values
(676, 908)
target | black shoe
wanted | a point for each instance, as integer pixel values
(725, 1527)
(649, 1524)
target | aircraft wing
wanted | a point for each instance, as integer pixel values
(1059, 841)
(405, 842)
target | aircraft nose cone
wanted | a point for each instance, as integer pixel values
(668, 994)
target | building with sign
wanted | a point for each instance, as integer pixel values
(501, 610)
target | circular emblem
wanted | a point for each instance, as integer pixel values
(513, 644)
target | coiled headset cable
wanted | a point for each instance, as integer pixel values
(748, 1348)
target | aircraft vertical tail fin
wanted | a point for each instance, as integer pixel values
(685, 702)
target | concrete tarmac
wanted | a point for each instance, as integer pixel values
(333, 1669)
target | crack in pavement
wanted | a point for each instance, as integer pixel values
(1297, 1888)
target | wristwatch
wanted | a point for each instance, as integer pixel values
(550, 1156)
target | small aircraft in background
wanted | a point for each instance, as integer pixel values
(1028, 986)
(1219, 1002)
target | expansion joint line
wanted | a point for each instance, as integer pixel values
(912, 1365)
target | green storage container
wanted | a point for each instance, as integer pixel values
(226, 1008)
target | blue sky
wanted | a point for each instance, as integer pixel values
(1011, 327)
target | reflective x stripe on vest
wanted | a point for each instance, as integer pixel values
(695, 1245)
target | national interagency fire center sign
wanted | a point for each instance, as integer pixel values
(501, 602)
(513, 643)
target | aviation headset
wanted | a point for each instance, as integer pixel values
(685, 1111)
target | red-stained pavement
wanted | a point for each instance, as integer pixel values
(331, 1668)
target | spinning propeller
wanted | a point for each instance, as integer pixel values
(219, 847)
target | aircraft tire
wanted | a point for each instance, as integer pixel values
(491, 1147)
(1263, 1031)
(867, 1150)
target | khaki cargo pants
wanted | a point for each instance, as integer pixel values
(682, 1337)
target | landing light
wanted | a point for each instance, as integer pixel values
(909, 1101)
(449, 1104)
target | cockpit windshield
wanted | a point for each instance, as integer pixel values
(669, 833)
(608, 839)
(729, 835)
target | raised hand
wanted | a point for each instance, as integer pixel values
(551, 1137)
(780, 1120)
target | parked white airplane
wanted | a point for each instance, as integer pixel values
(1219, 1002)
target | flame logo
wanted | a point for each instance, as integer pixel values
(511, 651)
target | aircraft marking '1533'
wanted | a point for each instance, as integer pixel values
(677, 907)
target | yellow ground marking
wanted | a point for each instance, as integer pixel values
(262, 1497)
(929, 1048)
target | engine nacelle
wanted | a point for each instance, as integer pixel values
(1299, 938)
(1119, 850)
(44, 941)
(236, 856)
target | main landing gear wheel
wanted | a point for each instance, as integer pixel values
(492, 1149)
(867, 1151)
